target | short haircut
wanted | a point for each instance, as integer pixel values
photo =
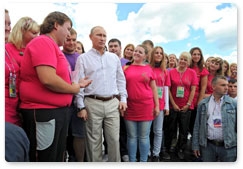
(148, 42)
(232, 81)
(73, 31)
(115, 40)
(215, 79)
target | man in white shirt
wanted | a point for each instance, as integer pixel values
(103, 99)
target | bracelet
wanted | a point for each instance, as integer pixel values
(188, 104)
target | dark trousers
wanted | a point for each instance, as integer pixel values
(170, 128)
(192, 120)
(171, 122)
(56, 150)
(123, 137)
(183, 121)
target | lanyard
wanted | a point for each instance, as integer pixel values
(12, 77)
(12, 65)
(181, 75)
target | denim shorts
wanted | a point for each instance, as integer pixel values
(77, 126)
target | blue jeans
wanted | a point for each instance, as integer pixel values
(158, 133)
(138, 135)
(212, 153)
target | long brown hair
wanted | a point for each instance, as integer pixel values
(152, 60)
(200, 64)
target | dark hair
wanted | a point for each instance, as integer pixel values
(54, 17)
(232, 81)
(115, 40)
(82, 46)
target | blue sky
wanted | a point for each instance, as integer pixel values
(177, 27)
(123, 9)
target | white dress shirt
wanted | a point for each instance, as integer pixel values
(106, 74)
(215, 131)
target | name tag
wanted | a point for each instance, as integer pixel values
(160, 92)
(180, 91)
(217, 123)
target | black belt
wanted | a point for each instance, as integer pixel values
(103, 98)
(216, 143)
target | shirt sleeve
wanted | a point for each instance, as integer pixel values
(121, 83)
(79, 73)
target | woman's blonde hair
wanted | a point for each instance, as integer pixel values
(220, 61)
(186, 55)
(23, 25)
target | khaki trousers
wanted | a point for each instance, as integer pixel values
(102, 115)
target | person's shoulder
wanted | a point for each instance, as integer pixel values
(107, 53)
(229, 99)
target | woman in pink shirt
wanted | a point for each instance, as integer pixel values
(197, 64)
(22, 33)
(215, 68)
(162, 79)
(182, 90)
(142, 103)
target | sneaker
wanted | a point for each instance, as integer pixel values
(125, 158)
(181, 154)
(155, 159)
(165, 155)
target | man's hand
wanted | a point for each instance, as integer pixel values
(122, 108)
(83, 114)
(84, 82)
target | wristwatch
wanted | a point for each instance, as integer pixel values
(188, 104)
(79, 109)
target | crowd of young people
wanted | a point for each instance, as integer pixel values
(146, 103)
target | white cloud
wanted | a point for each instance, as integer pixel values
(160, 22)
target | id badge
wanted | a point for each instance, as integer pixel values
(12, 85)
(180, 91)
(160, 92)
(217, 123)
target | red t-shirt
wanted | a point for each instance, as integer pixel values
(209, 89)
(16, 53)
(182, 80)
(11, 103)
(140, 101)
(200, 74)
(162, 79)
(42, 51)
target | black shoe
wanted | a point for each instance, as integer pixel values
(172, 149)
(155, 159)
(149, 159)
(165, 155)
(181, 154)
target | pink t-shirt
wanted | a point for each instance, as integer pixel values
(42, 51)
(180, 81)
(140, 101)
(209, 89)
(200, 74)
(162, 79)
(11, 103)
(16, 53)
